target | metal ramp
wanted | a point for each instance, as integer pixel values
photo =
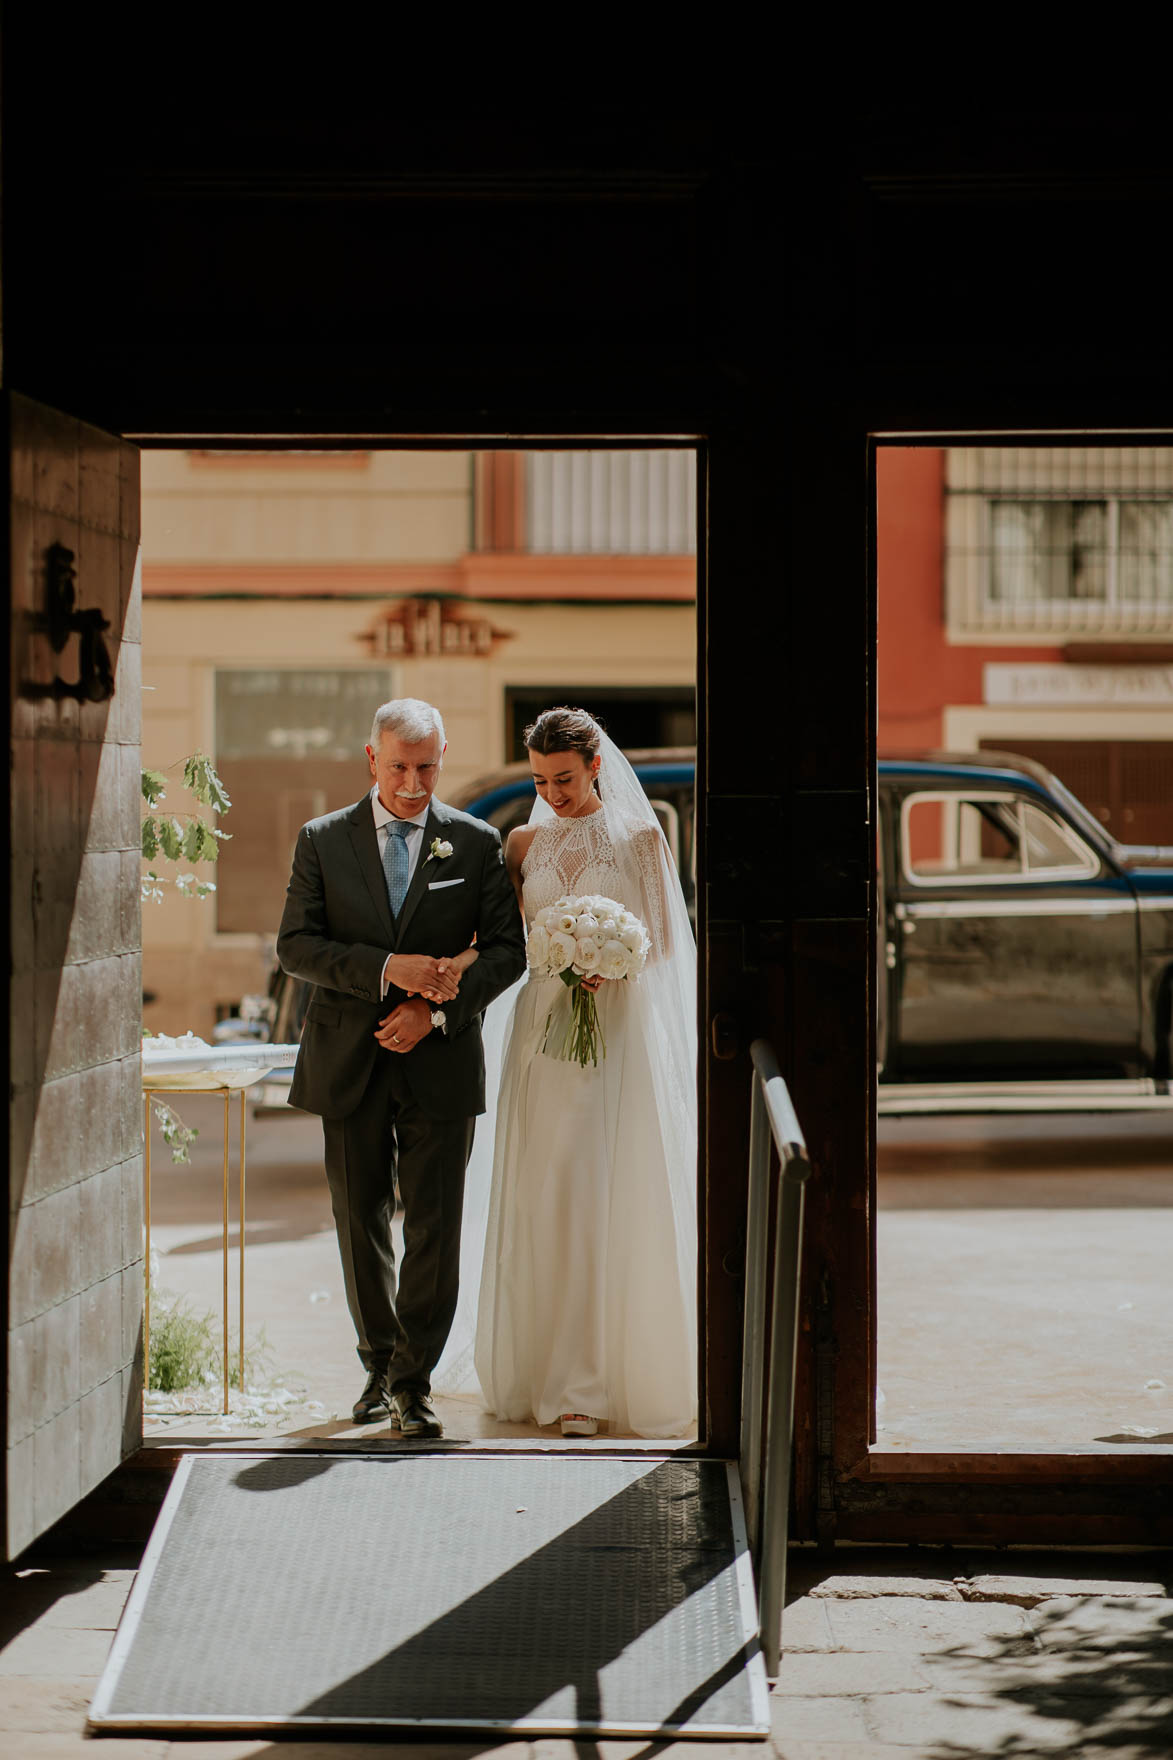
(536, 1595)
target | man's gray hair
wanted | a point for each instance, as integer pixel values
(407, 718)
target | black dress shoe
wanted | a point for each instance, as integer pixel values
(413, 1414)
(371, 1405)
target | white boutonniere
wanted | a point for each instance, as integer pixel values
(439, 851)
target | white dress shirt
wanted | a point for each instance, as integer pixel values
(414, 844)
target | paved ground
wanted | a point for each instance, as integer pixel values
(914, 1656)
(1025, 1301)
(1024, 1295)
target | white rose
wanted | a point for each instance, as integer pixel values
(586, 957)
(562, 951)
(566, 922)
(608, 926)
(547, 919)
(632, 939)
(586, 924)
(537, 948)
(613, 957)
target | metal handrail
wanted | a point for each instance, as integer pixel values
(767, 1495)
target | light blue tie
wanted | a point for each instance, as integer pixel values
(395, 862)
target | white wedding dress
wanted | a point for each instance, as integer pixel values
(588, 1285)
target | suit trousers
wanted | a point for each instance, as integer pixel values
(389, 1138)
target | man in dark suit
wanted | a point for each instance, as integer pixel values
(384, 905)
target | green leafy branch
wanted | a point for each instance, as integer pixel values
(178, 1136)
(185, 836)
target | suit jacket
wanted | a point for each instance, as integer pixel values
(337, 930)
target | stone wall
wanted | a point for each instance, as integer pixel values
(75, 1291)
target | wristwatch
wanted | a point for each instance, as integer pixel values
(439, 1019)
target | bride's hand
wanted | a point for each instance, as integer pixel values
(593, 982)
(419, 973)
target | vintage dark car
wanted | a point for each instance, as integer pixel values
(1026, 959)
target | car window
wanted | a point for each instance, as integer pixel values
(987, 837)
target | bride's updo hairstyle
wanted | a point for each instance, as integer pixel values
(564, 730)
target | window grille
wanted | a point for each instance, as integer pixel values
(1060, 540)
(611, 503)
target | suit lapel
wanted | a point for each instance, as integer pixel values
(419, 880)
(365, 841)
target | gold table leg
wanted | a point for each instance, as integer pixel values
(148, 1094)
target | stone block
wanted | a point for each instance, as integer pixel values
(130, 1004)
(37, 1651)
(99, 1009)
(57, 795)
(927, 1626)
(59, 1008)
(805, 1627)
(133, 1304)
(100, 1225)
(24, 890)
(133, 1206)
(873, 1587)
(834, 1673)
(130, 510)
(980, 1724)
(57, 1146)
(132, 1406)
(1033, 1591)
(42, 1706)
(130, 901)
(100, 1335)
(130, 581)
(129, 799)
(22, 1110)
(100, 795)
(816, 1720)
(54, 1240)
(132, 1109)
(101, 1115)
(99, 490)
(96, 928)
(22, 1381)
(1110, 1624)
(21, 1517)
(101, 1432)
(23, 797)
(56, 463)
(57, 1347)
(126, 708)
(22, 1265)
(56, 1457)
(54, 908)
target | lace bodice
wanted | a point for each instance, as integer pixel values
(569, 855)
(580, 855)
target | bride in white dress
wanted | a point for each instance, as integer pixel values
(587, 1309)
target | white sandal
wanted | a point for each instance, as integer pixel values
(578, 1424)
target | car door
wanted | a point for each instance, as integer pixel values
(1017, 942)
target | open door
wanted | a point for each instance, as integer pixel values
(74, 1284)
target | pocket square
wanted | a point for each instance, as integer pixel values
(435, 885)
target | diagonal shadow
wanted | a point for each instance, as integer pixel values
(548, 1627)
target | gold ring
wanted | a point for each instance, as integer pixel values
(395, 1038)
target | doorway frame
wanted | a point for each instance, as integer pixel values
(967, 1496)
(717, 1431)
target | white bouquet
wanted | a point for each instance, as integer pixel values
(585, 937)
